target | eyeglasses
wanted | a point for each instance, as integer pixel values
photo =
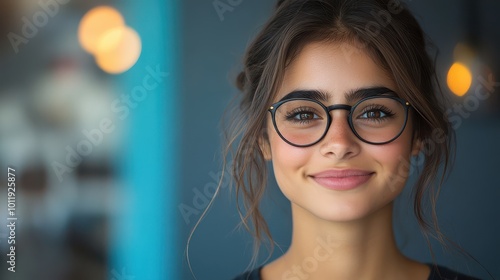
(303, 122)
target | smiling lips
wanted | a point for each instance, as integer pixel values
(345, 179)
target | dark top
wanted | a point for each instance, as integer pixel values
(443, 274)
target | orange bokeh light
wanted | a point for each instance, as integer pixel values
(118, 50)
(95, 23)
(459, 79)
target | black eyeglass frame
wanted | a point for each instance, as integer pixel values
(274, 107)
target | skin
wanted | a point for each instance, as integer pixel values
(355, 224)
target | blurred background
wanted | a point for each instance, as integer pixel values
(110, 116)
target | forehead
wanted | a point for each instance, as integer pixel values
(333, 68)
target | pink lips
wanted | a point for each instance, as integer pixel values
(344, 179)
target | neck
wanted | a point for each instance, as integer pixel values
(361, 249)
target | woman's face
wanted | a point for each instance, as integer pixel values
(341, 178)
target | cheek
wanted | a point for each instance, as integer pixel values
(285, 156)
(288, 161)
(393, 160)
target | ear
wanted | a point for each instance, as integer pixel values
(416, 146)
(265, 147)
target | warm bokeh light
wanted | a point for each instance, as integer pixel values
(118, 50)
(459, 79)
(95, 24)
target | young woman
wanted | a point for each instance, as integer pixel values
(339, 95)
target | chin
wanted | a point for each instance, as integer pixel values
(339, 212)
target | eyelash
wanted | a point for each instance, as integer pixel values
(290, 116)
(385, 110)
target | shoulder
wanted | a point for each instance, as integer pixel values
(442, 273)
(250, 275)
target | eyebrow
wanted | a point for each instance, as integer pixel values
(351, 95)
(311, 94)
(360, 93)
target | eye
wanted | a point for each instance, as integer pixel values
(302, 115)
(373, 114)
(305, 116)
(300, 112)
(376, 113)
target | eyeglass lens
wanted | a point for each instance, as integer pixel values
(375, 120)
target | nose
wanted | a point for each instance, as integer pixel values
(340, 141)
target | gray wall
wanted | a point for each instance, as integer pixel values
(212, 52)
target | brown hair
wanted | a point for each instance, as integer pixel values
(389, 33)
